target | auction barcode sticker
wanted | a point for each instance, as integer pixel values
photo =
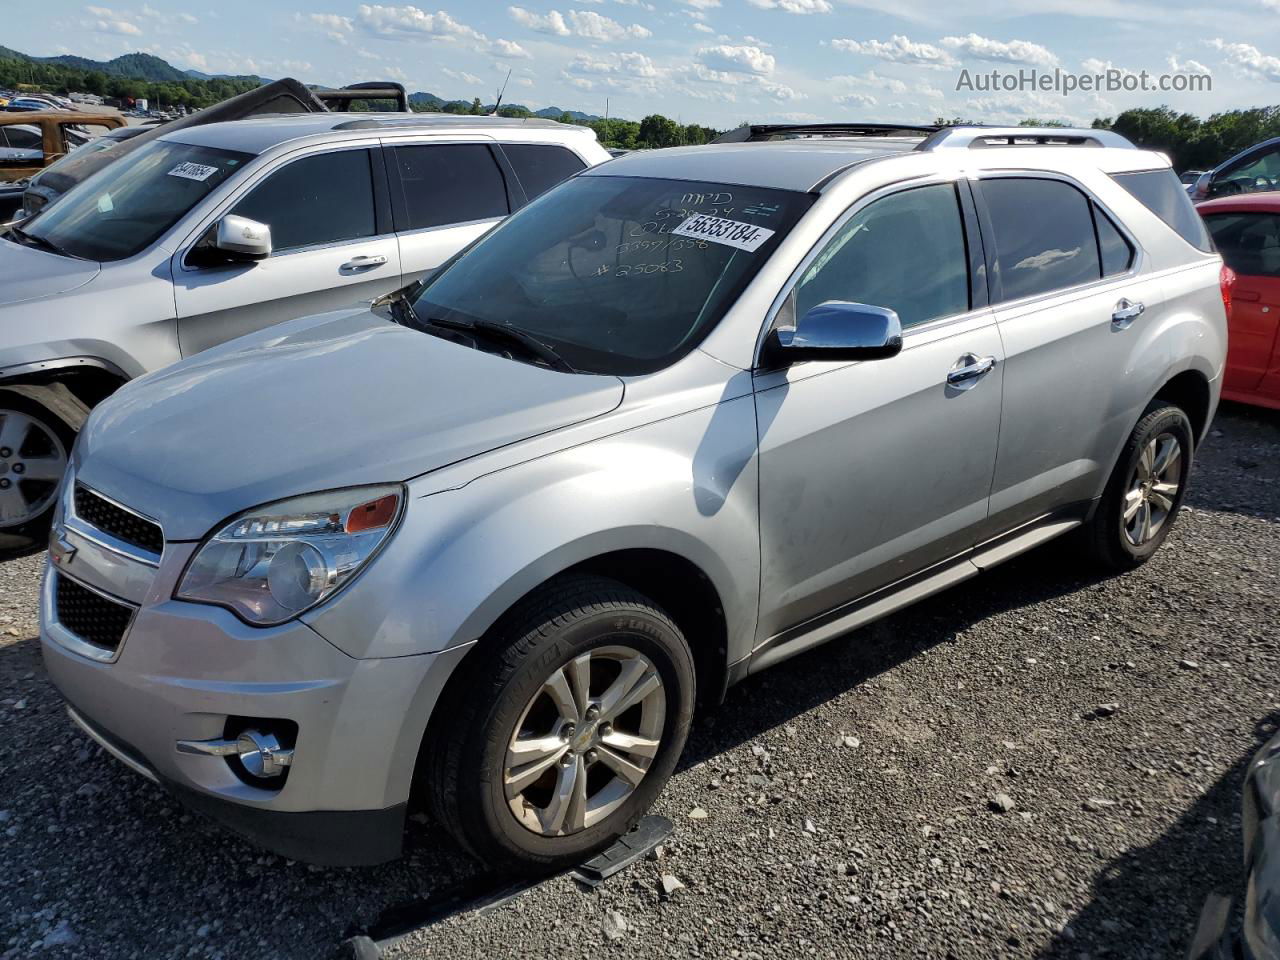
(732, 233)
(193, 171)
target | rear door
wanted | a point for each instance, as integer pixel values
(445, 195)
(1250, 244)
(332, 247)
(1063, 276)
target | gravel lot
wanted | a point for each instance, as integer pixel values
(851, 796)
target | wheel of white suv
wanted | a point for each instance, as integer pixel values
(1145, 491)
(34, 445)
(565, 727)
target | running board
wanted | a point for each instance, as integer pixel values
(893, 598)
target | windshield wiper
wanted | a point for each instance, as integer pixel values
(531, 345)
(31, 240)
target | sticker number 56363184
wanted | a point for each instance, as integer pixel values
(731, 233)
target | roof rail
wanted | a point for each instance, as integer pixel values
(759, 132)
(391, 122)
(978, 137)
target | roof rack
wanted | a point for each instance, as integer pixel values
(760, 132)
(340, 100)
(391, 121)
(978, 137)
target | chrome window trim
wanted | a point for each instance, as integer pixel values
(908, 333)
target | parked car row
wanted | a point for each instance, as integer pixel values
(601, 439)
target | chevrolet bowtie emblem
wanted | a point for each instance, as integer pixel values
(61, 551)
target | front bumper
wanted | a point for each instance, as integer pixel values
(192, 672)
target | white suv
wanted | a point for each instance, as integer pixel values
(214, 231)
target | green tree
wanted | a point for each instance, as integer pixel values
(658, 131)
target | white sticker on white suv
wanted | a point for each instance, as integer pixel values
(193, 171)
(732, 233)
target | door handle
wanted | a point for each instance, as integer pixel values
(1126, 312)
(969, 368)
(363, 263)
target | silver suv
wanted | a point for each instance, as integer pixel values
(213, 231)
(686, 415)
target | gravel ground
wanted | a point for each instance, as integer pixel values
(1033, 764)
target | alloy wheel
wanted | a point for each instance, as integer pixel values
(1152, 490)
(32, 462)
(585, 741)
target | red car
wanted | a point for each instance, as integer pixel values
(1246, 229)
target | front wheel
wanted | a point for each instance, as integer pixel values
(1145, 491)
(565, 728)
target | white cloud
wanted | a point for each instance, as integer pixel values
(553, 23)
(336, 27)
(462, 75)
(584, 23)
(745, 59)
(799, 7)
(857, 99)
(1248, 61)
(702, 4)
(1192, 66)
(898, 49)
(112, 21)
(872, 79)
(1014, 51)
(509, 49)
(703, 28)
(405, 23)
(593, 26)
(778, 91)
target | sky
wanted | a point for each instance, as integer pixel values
(715, 62)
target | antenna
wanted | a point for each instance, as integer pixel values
(500, 93)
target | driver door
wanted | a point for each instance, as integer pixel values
(332, 247)
(873, 471)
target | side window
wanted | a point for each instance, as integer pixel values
(1044, 235)
(541, 166)
(24, 137)
(905, 252)
(1161, 192)
(1261, 173)
(323, 198)
(1115, 250)
(1248, 242)
(448, 183)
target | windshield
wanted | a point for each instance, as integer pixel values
(619, 275)
(123, 208)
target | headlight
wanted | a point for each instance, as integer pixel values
(273, 562)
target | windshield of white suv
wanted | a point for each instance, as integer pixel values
(124, 207)
(618, 275)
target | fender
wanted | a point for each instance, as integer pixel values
(686, 485)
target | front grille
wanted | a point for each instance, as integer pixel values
(90, 616)
(117, 521)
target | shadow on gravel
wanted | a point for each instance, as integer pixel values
(781, 693)
(1139, 896)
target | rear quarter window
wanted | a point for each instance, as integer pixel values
(1161, 192)
(541, 166)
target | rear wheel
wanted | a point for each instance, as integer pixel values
(565, 729)
(34, 445)
(1145, 491)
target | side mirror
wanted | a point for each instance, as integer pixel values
(837, 330)
(242, 240)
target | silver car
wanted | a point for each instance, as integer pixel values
(214, 231)
(688, 414)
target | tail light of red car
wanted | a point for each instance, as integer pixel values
(1226, 280)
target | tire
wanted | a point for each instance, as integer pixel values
(44, 447)
(1114, 543)
(572, 620)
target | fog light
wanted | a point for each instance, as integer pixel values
(262, 754)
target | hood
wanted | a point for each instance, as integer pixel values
(28, 274)
(314, 404)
